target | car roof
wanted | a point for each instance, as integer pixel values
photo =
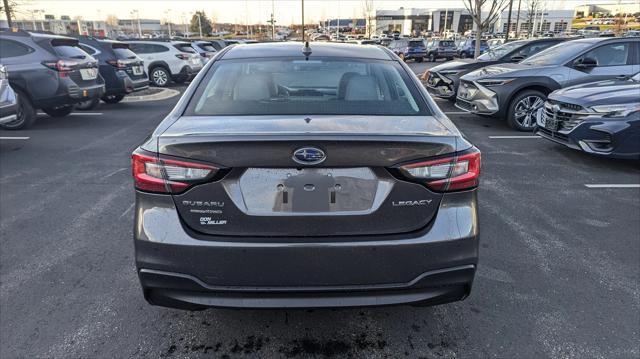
(294, 49)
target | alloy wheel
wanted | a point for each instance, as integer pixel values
(160, 77)
(525, 110)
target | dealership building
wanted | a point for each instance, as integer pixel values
(412, 21)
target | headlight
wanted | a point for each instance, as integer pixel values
(494, 82)
(621, 110)
(3, 72)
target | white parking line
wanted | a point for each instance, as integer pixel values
(458, 113)
(512, 137)
(614, 185)
(14, 138)
(77, 114)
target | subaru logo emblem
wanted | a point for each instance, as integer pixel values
(309, 156)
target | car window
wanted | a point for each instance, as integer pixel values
(532, 49)
(206, 47)
(615, 54)
(10, 48)
(70, 51)
(557, 54)
(446, 43)
(89, 50)
(185, 48)
(416, 43)
(500, 51)
(124, 53)
(325, 86)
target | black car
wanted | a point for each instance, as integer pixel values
(123, 72)
(441, 49)
(49, 72)
(443, 80)
(601, 118)
(323, 178)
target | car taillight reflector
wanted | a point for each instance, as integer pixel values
(167, 176)
(62, 66)
(117, 64)
(453, 173)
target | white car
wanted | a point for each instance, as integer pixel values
(167, 60)
(206, 49)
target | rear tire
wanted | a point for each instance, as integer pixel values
(88, 105)
(432, 57)
(26, 114)
(58, 111)
(159, 76)
(418, 59)
(523, 108)
(463, 55)
(112, 99)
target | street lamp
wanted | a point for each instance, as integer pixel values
(138, 18)
(199, 24)
(168, 19)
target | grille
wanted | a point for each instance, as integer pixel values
(463, 105)
(562, 116)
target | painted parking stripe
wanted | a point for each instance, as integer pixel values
(512, 137)
(14, 138)
(77, 114)
(458, 113)
(614, 185)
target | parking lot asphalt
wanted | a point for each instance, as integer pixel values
(558, 274)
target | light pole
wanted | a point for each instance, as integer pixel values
(273, 21)
(199, 24)
(168, 19)
(138, 18)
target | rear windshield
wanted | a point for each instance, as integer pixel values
(207, 47)
(447, 43)
(70, 51)
(322, 86)
(185, 48)
(124, 53)
(416, 43)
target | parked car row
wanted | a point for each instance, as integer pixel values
(58, 74)
(434, 49)
(583, 93)
(48, 72)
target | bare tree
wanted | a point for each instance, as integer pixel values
(368, 10)
(9, 8)
(492, 11)
(111, 20)
(533, 8)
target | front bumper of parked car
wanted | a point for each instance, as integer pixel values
(442, 85)
(594, 134)
(475, 98)
(180, 268)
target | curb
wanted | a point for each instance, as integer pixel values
(162, 95)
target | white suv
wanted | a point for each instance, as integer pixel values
(167, 60)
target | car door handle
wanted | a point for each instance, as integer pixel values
(621, 77)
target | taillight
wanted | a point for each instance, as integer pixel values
(183, 56)
(453, 173)
(119, 64)
(167, 176)
(62, 66)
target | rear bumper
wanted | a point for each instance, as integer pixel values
(70, 93)
(178, 269)
(124, 84)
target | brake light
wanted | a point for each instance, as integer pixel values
(447, 174)
(62, 66)
(183, 56)
(167, 176)
(119, 64)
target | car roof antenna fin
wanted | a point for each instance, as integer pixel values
(306, 50)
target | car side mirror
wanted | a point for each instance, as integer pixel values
(517, 58)
(585, 63)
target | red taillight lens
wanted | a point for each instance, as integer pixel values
(62, 66)
(183, 56)
(119, 64)
(167, 176)
(447, 174)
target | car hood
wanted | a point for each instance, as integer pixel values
(502, 70)
(461, 65)
(599, 93)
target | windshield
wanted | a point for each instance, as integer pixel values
(70, 52)
(185, 48)
(498, 52)
(416, 43)
(314, 87)
(124, 53)
(558, 54)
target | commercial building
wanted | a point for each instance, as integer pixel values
(405, 21)
(606, 10)
(549, 20)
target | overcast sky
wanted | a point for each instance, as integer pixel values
(240, 11)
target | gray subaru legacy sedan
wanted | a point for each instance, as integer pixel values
(292, 176)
